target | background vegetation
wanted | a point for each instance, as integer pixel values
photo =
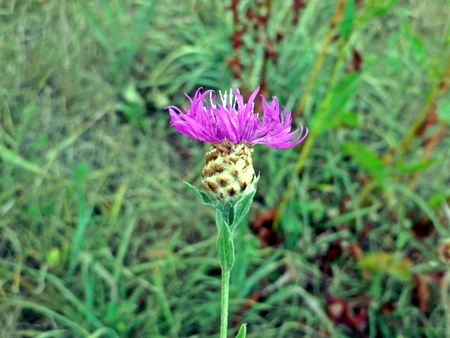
(99, 237)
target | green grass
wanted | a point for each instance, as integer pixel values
(100, 238)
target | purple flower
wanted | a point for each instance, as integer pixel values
(234, 121)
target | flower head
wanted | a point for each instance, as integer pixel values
(234, 121)
(233, 128)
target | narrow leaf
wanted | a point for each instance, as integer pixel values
(219, 219)
(84, 216)
(241, 209)
(12, 157)
(205, 198)
(331, 112)
(242, 331)
(227, 211)
(366, 159)
(347, 22)
(415, 168)
(225, 247)
(342, 93)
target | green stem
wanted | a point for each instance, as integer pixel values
(224, 303)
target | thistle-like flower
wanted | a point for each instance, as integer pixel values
(232, 127)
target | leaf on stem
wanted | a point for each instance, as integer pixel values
(225, 247)
(205, 198)
(242, 331)
(241, 209)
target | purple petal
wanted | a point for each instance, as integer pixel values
(234, 120)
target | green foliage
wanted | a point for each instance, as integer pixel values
(228, 216)
(444, 111)
(386, 263)
(15, 159)
(84, 214)
(120, 30)
(225, 246)
(99, 237)
(333, 112)
(366, 160)
(242, 331)
(346, 25)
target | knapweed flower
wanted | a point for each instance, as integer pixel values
(232, 127)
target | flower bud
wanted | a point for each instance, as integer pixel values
(228, 174)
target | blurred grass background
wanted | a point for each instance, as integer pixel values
(99, 237)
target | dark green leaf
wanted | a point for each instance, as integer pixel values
(346, 26)
(366, 159)
(342, 93)
(291, 224)
(329, 115)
